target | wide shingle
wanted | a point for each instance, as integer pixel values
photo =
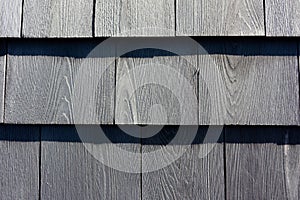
(282, 18)
(252, 82)
(58, 18)
(10, 18)
(52, 82)
(219, 18)
(134, 18)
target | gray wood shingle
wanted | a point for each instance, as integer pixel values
(19, 169)
(10, 18)
(282, 18)
(58, 18)
(219, 18)
(78, 174)
(134, 18)
(262, 163)
(53, 82)
(156, 86)
(189, 177)
(252, 82)
(2, 77)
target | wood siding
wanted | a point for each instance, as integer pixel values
(48, 82)
(237, 81)
(70, 18)
(50, 161)
(19, 168)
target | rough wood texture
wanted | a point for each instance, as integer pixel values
(282, 18)
(189, 177)
(219, 18)
(252, 82)
(19, 168)
(134, 18)
(10, 18)
(2, 77)
(53, 82)
(58, 18)
(156, 87)
(69, 171)
(262, 163)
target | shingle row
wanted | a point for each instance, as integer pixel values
(232, 81)
(106, 18)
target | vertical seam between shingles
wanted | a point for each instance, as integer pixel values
(141, 167)
(298, 70)
(94, 20)
(5, 79)
(115, 88)
(22, 19)
(224, 160)
(40, 163)
(265, 17)
(175, 16)
(198, 82)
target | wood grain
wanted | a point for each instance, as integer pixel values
(10, 18)
(219, 18)
(58, 18)
(189, 177)
(134, 18)
(52, 82)
(19, 169)
(2, 77)
(262, 163)
(156, 87)
(282, 18)
(69, 171)
(253, 82)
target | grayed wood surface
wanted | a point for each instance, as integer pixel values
(53, 82)
(10, 18)
(219, 18)
(134, 18)
(262, 163)
(69, 171)
(58, 18)
(19, 168)
(282, 18)
(2, 77)
(191, 176)
(252, 82)
(156, 87)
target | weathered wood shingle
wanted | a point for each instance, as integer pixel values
(262, 163)
(134, 18)
(282, 18)
(251, 82)
(10, 18)
(19, 168)
(2, 77)
(58, 18)
(193, 175)
(219, 18)
(69, 171)
(53, 82)
(156, 86)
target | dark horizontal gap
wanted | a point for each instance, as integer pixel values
(81, 48)
(160, 135)
(199, 37)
